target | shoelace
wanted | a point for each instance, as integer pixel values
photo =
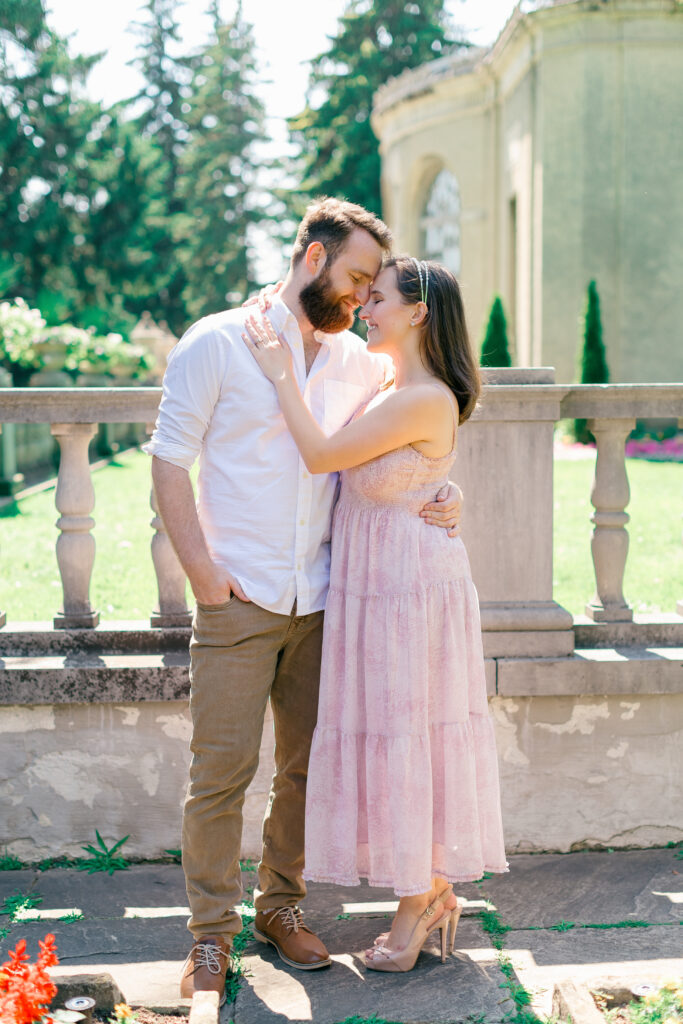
(207, 955)
(291, 917)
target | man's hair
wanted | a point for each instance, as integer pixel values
(331, 221)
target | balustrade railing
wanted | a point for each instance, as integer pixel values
(511, 414)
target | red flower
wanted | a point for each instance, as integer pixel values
(26, 989)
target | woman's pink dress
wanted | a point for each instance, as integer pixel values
(403, 775)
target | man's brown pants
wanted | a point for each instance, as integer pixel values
(241, 655)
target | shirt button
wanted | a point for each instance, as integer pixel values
(305, 475)
(302, 522)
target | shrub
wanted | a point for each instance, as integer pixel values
(494, 349)
(593, 360)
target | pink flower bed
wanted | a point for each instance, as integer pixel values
(668, 450)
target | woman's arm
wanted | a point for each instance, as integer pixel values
(409, 415)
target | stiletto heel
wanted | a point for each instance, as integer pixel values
(453, 923)
(443, 928)
(405, 959)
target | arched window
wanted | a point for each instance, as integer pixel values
(440, 222)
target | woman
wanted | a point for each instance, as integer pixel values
(403, 778)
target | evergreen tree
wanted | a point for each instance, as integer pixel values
(44, 177)
(218, 174)
(593, 360)
(374, 42)
(164, 97)
(494, 349)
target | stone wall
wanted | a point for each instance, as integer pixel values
(575, 771)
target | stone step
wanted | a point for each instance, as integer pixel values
(618, 670)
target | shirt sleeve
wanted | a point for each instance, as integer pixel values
(192, 386)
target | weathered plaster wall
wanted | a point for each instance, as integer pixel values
(593, 770)
(68, 769)
(574, 770)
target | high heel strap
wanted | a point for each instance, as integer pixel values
(438, 902)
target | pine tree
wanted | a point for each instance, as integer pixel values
(374, 42)
(494, 349)
(167, 77)
(593, 360)
(218, 173)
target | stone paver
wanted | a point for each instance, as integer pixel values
(588, 887)
(143, 951)
(468, 983)
(543, 958)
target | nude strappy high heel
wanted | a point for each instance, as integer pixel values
(453, 908)
(384, 959)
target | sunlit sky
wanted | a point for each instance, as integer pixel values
(287, 33)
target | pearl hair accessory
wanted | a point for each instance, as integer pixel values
(424, 282)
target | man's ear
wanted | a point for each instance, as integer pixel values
(315, 258)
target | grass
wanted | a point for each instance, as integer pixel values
(654, 567)
(124, 586)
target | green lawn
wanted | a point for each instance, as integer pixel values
(123, 584)
(654, 568)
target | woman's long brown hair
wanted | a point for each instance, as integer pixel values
(445, 342)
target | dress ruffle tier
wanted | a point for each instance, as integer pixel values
(403, 776)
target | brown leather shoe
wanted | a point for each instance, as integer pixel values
(206, 967)
(295, 943)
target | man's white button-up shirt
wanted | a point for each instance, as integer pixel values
(265, 518)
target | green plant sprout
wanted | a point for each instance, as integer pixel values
(8, 862)
(13, 905)
(103, 858)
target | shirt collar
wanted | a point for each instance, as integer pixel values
(282, 318)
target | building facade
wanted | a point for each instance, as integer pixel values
(552, 158)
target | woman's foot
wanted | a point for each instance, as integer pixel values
(410, 910)
(449, 903)
(416, 918)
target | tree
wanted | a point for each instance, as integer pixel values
(44, 180)
(164, 97)
(494, 349)
(374, 42)
(217, 182)
(593, 359)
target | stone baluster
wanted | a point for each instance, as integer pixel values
(75, 500)
(610, 496)
(172, 607)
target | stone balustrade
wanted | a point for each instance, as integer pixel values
(504, 467)
(588, 713)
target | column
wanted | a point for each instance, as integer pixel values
(75, 500)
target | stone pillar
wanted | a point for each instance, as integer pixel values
(75, 500)
(505, 469)
(172, 607)
(610, 496)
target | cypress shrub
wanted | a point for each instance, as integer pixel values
(593, 360)
(494, 349)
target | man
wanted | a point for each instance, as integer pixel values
(256, 552)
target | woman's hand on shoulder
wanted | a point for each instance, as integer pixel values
(269, 349)
(264, 299)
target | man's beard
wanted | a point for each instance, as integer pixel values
(323, 312)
